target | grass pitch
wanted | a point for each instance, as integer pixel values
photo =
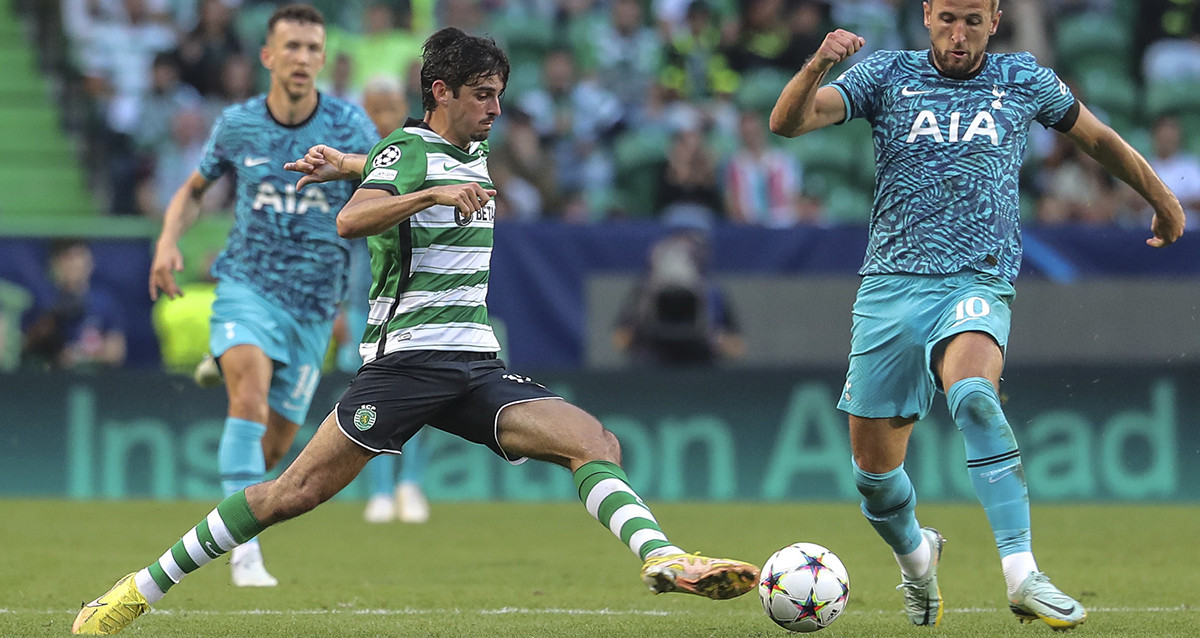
(492, 569)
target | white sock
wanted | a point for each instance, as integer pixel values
(247, 551)
(146, 585)
(665, 551)
(916, 563)
(1017, 567)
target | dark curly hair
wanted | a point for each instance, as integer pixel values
(301, 13)
(459, 60)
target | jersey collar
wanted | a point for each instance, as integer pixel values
(297, 124)
(974, 74)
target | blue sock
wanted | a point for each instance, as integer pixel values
(240, 456)
(993, 461)
(414, 459)
(889, 503)
(381, 472)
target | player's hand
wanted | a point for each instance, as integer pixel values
(837, 46)
(468, 198)
(320, 164)
(167, 261)
(1167, 225)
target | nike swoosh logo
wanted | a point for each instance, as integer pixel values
(448, 166)
(996, 475)
(251, 162)
(1064, 611)
(95, 603)
(907, 92)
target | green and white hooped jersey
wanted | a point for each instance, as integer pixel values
(430, 272)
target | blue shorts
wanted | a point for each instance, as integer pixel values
(240, 316)
(899, 320)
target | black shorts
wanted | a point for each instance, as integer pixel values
(462, 393)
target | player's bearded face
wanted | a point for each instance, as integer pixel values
(477, 107)
(295, 54)
(958, 33)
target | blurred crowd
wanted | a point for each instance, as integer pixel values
(640, 108)
(616, 109)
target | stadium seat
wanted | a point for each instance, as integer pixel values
(848, 205)
(1092, 40)
(1179, 97)
(760, 88)
(39, 170)
(639, 157)
(1113, 92)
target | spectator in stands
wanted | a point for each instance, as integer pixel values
(1074, 188)
(167, 95)
(77, 325)
(575, 119)
(520, 164)
(115, 45)
(1165, 39)
(763, 39)
(676, 314)
(1179, 170)
(687, 187)
(177, 157)
(387, 46)
(627, 53)
(763, 185)
(694, 67)
(206, 48)
(14, 301)
(238, 83)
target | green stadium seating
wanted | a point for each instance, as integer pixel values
(1113, 92)
(759, 89)
(639, 158)
(1093, 40)
(1179, 97)
(848, 205)
(40, 174)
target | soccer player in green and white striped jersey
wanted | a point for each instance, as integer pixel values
(430, 356)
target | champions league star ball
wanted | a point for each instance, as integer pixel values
(804, 587)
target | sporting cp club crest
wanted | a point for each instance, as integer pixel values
(386, 157)
(364, 417)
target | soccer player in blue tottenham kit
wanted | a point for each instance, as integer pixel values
(950, 125)
(283, 271)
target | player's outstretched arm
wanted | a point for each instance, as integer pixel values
(326, 164)
(181, 214)
(371, 211)
(802, 106)
(1116, 155)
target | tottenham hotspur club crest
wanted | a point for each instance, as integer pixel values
(364, 417)
(387, 157)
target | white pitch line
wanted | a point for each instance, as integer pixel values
(551, 611)
(371, 612)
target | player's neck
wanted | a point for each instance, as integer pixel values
(290, 111)
(441, 125)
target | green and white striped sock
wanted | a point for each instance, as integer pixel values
(229, 525)
(606, 494)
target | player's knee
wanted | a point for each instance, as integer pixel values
(611, 446)
(248, 405)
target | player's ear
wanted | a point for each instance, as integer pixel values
(265, 56)
(995, 22)
(925, 10)
(441, 92)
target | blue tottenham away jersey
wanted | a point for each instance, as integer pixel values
(284, 244)
(947, 157)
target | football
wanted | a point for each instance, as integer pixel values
(804, 587)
